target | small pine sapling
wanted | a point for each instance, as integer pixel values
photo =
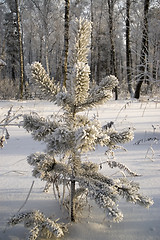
(69, 135)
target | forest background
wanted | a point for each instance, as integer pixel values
(124, 42)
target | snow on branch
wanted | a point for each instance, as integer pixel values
(99, 94)
(81, 81)
(79, 70)
(104, 195)
(114, 164)
(130, 190)
(61, 140)
(119, 187)
(107, 84)
(83, 39)
(123, 137)
(65, 100)
(39, 126)
(42, 80)
(46, 165)
(39, 224)
(86, 135)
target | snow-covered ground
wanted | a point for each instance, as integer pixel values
(142, 156)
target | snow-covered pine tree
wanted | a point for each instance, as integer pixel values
(71, 134)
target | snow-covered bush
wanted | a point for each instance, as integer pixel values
(70, 134)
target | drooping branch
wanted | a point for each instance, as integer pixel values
(39, 225)
(40, 127)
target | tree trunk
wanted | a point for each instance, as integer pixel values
(72, 200)
(30, 50)
(46, 51)
(144, 50)
(128, 49)
(46, 33)
(99, 47)
(20, 49)
(112, 47)
(92, 70)
(40, 48)
(73, 182)
(155, 68)
(66, 42)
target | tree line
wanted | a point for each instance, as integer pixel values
(124, 41)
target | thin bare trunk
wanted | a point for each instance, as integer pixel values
(98, 48)
(91, 77)
(46, 51)
(46, 5)
(72, 200)
(112, 47)
(66, 42)
(20, 49)
(128, 49)
(40, 48)
(144, 50)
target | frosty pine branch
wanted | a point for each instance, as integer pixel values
(69, 135)
(43, 82)
(39, 225)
